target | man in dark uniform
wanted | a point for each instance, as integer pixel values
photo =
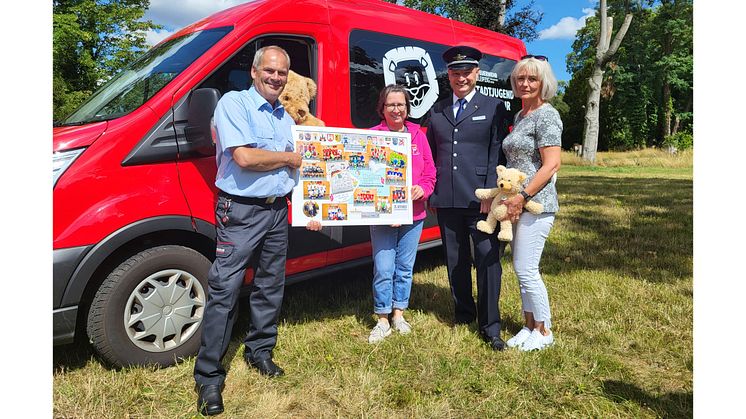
(465, 133)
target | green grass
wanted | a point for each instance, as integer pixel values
(647, 158)
(618, 267)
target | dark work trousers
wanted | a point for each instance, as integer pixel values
(457, 225)
(246, 233)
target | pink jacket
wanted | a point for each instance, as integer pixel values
(423, 167)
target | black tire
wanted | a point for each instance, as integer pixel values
(132, 293)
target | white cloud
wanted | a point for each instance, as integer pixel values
(175, 14)
(566, 27)
(153, 37)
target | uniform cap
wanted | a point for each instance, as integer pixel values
(462, 57)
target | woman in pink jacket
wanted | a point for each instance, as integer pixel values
(395, 247)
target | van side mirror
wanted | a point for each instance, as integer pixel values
(198, 133)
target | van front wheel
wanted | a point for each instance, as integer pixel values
(149, 310)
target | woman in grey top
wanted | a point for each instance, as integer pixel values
(533, 147)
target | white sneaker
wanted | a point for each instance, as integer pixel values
(379, 332)
(519, 338)
(536, 341)
(401, 325)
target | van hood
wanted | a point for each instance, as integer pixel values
(66, 138)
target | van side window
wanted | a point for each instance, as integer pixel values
(378, 59)
(235, 74)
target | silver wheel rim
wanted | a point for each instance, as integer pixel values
(164, 310)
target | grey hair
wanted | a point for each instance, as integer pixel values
(540, 69)
(260, 54)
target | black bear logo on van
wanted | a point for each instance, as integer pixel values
(412, 68)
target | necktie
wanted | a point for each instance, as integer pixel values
(461, 106)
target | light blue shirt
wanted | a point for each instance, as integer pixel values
(245, 118)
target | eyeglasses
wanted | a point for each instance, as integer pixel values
(538, 57)
(392, 106)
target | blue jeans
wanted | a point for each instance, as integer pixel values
(394, 253)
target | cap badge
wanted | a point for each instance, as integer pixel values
(459, 57)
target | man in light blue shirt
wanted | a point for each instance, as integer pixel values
(257, 167)
(248, 124)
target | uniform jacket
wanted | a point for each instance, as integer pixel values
(466, 152)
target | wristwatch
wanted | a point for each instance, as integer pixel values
(526, 196)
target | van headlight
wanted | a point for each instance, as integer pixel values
(61, 161)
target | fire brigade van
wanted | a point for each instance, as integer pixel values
(134, 166)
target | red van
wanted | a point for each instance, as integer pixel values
(134, 166)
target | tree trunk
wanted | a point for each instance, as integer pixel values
(667, 104)
(502, 4)
(590, 138)
(605, 49)
(667, 109)
(677, 118)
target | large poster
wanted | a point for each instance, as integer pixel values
(352, 177)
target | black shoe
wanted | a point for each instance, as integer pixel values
(266, 367)
(210, 401)
(496, 343)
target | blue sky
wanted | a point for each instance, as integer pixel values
(562, 18)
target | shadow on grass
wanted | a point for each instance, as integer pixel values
(76, 355)
(72, 356)
(349, 292)
(669, 405)
(645, 230)
(344, 293)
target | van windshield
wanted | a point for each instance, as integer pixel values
(142, 79)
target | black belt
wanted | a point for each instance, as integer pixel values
(252, 201)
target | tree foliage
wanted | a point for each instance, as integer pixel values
(520, 23)
(558, 101)
(93, 40)
(647, 87)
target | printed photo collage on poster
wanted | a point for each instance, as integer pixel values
(352, 177)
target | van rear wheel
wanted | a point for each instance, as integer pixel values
(149, 310)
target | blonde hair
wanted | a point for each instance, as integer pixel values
(540, 69)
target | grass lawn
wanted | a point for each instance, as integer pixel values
(618, 267)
